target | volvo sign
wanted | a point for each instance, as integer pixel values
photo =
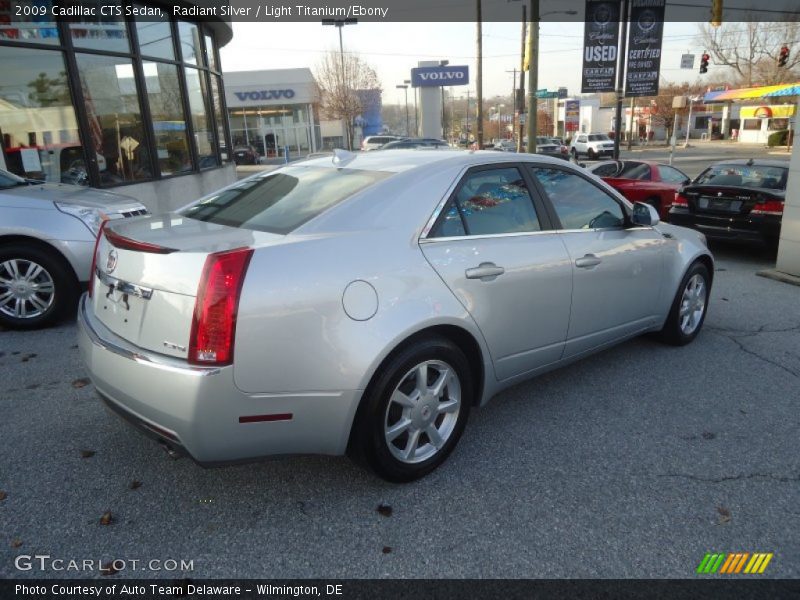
(265, 95)
(440, 76)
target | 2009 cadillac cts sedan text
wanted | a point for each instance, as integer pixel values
(365, 303)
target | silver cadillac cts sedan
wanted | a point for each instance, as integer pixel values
(363, 304)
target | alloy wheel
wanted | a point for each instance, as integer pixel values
(27, 289)
(422, 412)
(693, 304)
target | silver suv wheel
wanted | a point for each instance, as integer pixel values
(27, 289)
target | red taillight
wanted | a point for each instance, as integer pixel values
(214, 322)
(768, 207)
(124, 243)
(94, 257)
(680, 200)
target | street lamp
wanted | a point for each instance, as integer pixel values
(533, 68)
(405, 87)
(339, 23)
(416, 115)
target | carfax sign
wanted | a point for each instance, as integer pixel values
(440, 76)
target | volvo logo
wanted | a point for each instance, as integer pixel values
(111, 262)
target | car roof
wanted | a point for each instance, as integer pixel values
(397, 161)
(756, 162)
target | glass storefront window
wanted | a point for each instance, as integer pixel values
(190, 43)
(37, 119)
(169, 120)
(29, 22)
(100, 32)
(211, 57)
(115, 119)
(155, 37)
(218, 115)
(197, 90)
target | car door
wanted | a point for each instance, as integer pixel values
(494, 247)
(617, 268)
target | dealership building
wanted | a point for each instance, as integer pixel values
(134, 104)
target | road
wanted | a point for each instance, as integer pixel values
(631, 463)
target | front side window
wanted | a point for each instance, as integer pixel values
(578, 203)
(489, 202)
(635, 170)
(671, 175)
(115, 119)
(281, 201)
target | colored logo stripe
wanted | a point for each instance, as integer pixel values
(734, 562)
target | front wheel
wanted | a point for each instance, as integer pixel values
(415, 411)
(574, 153)
(591, 154)
(36, 287)
(689, 308)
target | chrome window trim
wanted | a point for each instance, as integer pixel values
(484, 236)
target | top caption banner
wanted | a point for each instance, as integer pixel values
(407, 11)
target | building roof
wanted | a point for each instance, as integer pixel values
(767, 91)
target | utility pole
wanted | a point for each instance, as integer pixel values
(522, 79)
(514, 103)
(624, 25)
(479, 80)
(533, 75)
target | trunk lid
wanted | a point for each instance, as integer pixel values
(727, 200)
(148, 298)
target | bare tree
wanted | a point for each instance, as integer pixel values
(661, 105)
(750, 49)
(339, 79)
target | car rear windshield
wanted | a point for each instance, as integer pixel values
(755, 176)
(599, 137)
(280, 202)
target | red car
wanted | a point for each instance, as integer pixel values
(643, 181)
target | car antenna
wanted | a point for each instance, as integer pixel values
(342, 157)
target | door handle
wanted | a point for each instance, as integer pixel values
(590, 260)
(486, 271)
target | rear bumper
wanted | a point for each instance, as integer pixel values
(200, 411)
(755, 228)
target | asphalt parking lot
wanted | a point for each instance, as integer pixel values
(631, 463)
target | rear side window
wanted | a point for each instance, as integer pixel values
(281, 201)
(635, 170)
(489, 202)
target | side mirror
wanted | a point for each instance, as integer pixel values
(644, 215)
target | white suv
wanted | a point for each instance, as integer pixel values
(593, 145)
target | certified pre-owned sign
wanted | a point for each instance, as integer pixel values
(440, 76)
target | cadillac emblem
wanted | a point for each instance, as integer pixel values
(111, 262)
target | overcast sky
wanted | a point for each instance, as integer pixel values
(394, 48)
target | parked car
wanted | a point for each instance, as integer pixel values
(740, 200)
(592, 145)
(373, 142)
(505, 145)
(415, 143)
(47, 234)
(367, 302)
(246, 155)
(643, 181)
(546, 145)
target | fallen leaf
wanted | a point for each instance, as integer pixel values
(108, 568)
(707, 435)
(387, 549)
(82, 382)
(87, 453)
(74, 347)
(16, 543)
(106, 519)
(32, 386)
(725, 299)
(724, 514)
(3, 495)
(385, 510)
(135, 485)
(15, 353)
(27, 357)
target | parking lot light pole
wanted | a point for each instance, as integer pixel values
(416, 114)
(339, 23)
(405, 88)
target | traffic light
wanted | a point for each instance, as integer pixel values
(783, 57)
(716, 13)
(704, 62)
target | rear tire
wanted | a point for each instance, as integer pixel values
(414, 411)
(591, 154)
(689, 308)
(37, 286)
